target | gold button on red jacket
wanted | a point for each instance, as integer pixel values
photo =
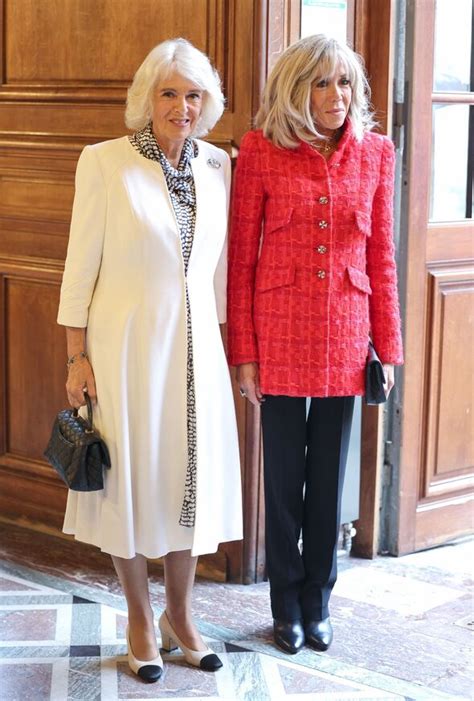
(306, 318)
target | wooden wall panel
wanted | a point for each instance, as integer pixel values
(89, 46)
(456, 390)
(102, 41)
(36, 193)
(101, 44)
(69, 120)
(35, 369)
(36, 197)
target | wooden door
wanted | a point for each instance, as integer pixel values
(65, 66)
(435, 483)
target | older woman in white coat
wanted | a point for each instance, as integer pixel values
(143, 293)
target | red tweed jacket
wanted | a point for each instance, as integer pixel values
(311, 264)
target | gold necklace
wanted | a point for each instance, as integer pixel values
(329, 143)
(326, 147)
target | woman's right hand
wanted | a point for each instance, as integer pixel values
(249, 383)
(80, 379)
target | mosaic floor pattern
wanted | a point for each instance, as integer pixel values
(57, 645)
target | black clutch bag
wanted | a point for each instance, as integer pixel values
(374, 378)
(77, 452)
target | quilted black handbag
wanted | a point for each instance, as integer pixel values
(374, 378)
(76, 451)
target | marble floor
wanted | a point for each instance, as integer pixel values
(403, 630)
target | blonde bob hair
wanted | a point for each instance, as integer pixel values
(169, 56)
(285, 114)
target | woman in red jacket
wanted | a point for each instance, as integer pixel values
(311, 275)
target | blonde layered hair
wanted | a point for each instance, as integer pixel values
(285, 114)
(169, 56)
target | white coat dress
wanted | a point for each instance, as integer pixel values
(124, 281)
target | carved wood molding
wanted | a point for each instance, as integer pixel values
(29, 500)
(73, 92)
(28, 467)
(451, 288)
(31, 268)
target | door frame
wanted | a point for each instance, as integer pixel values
(411, 512)
(374, 40)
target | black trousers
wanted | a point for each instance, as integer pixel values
(304, 466)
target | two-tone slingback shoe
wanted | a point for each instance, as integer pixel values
(204, 659)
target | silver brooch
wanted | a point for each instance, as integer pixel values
(213, 163)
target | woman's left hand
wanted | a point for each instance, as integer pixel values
(389, 372)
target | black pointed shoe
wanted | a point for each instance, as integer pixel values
(319, 634)
(288, 635)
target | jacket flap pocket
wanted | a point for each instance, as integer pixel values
(277, 219)
(364, 223)
(273, 277)
(359, 279)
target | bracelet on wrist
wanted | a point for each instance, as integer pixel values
(77, 356)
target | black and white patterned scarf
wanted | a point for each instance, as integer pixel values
(179, 180)
(182, 191)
